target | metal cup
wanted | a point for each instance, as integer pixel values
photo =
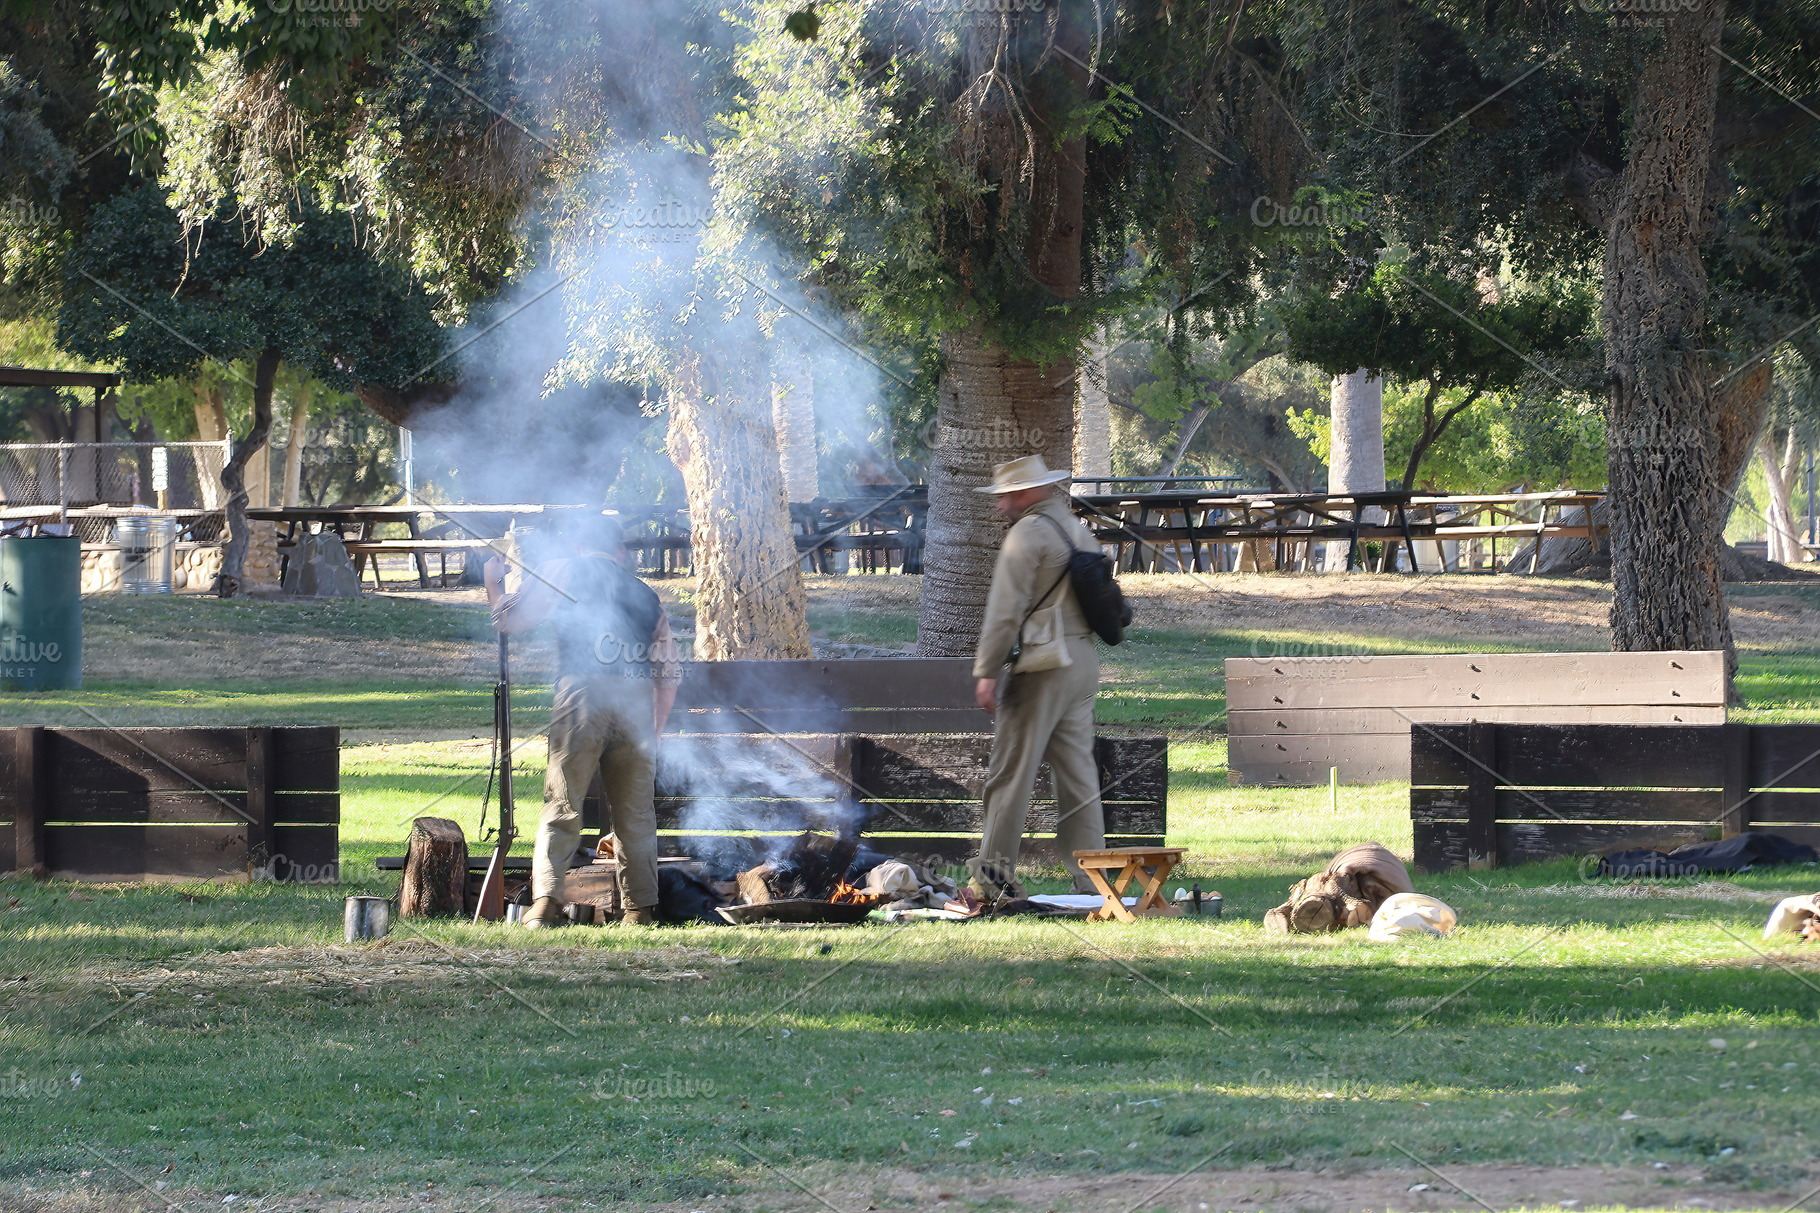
(366, 917)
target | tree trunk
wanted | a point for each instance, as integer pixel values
(294, 446)
(233, 477)
(1784, 540)
(750, 602)
(1668, 501)
(1191, 425)
(793, 418)
(1093, 413)
(991, 408)
(211, 426)
(1355, 458)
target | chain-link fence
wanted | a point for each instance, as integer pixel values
(170, 475)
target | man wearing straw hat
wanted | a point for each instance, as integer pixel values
(1044, 711)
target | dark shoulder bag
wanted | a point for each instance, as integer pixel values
(1096, 589)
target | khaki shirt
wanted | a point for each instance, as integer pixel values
(1031, 560)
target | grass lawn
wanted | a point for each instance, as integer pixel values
(1576, 1045)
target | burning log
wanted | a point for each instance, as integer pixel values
(810, 867)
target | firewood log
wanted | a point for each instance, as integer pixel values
(435, 881)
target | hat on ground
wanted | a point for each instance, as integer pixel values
(1030, 472)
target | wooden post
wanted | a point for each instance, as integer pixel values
(1735, 739)
(435, 880)
(1481, 794)
(31, 789)
(261, 805)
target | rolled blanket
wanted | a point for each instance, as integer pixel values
(1344, 894)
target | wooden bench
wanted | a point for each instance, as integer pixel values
(363, 550)
(1485, 794)
(171, 804)
(1292, 719)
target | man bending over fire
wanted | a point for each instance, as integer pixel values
(1046, 714)
(616, 676)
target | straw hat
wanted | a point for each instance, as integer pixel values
(1030, 472)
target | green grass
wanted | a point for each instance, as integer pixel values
(1567, 1023)
(1525, 1038)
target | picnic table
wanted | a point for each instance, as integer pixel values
(196, 525)
(478, 526)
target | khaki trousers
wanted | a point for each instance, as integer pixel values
(1046, 717)
(604, 725)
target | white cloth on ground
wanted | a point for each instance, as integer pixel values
(1412, 914)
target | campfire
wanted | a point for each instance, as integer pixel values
(803, 880)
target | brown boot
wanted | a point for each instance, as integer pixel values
(639, 917)
(545, 914)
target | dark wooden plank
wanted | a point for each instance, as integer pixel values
(1780, 806)
(1594, 755)
(134, 852)
(259, 798)
(888, 682)
(1440, 846)
(190, 807)
(307, 854)
(1735, 747)
(136, 759)
(1572, 804)
(832, 720)
(1437, 755)
(1808, 834)
(810, 766)
(30, 795)
(1785, 756)
(1133, 768)
(1611, 755)
(306, 758)
(307, 808)
(912, 767)
(1481, 798)
(1530, 843)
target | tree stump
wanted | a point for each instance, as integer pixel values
(435, 870)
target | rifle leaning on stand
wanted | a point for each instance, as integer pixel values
(492, 903)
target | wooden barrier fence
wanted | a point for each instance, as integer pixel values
(1485, 794)
(177, 803)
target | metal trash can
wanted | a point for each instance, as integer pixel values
(146, 542)
(41, 613)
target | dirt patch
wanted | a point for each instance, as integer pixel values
(1452, 1186)
(396, 961)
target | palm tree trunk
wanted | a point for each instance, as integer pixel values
(1019, 407)
(1668, 502)
(992, 408)
(750, 602)
(1093, 414)
(1355, 459)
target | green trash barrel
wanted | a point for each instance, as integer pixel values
(40, 613)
